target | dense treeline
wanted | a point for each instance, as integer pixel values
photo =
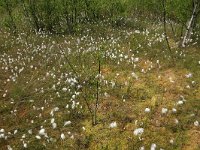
(58, 15)
(65, 16)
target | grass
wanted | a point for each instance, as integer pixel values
(33, 95)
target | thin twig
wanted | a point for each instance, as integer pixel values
(97, 91)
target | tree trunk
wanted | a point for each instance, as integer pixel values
(173, 30)
(165, 30)
(190, 26)
(35, 19)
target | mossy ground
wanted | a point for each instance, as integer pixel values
(123, 98)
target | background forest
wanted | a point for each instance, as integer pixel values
(69, 16)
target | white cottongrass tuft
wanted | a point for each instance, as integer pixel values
(2, 130)
(153, 146)
(196, 123)
(189, 75)
(38, 137)
(64, 89)
(54, 125)
(134, 75)
(56, 109)
(180, 102)
(171, 80)
(138, 131)
(188, 86)
(137, 31)
(176, 121)
(174, 110)
(62, 136)
(147, 110)
(136, 59)
(52, 120)
(67, 123)
(9, 147)
(142, 148)
(25, 145)
(171, 141)
(30, 131)
(42, 132)
(164, 110)
(15, 132)
(2, 135)
(113, 125)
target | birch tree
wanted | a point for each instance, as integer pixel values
(191, 23)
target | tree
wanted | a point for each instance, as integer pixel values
(191, 22)
(165, 29)
(8, 7)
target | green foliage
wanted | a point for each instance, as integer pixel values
(179, 10)
(61, 16)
